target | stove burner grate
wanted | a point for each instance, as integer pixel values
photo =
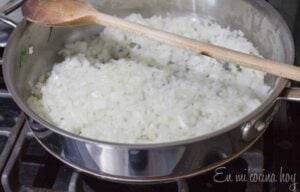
(11, 122)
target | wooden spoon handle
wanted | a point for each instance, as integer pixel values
(224, 54)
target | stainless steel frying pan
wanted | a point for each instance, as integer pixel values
(152, 162)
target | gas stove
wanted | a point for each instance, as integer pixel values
(26, 166)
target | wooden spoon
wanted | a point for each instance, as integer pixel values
(80, 12)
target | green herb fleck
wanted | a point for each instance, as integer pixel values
(22, 57)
